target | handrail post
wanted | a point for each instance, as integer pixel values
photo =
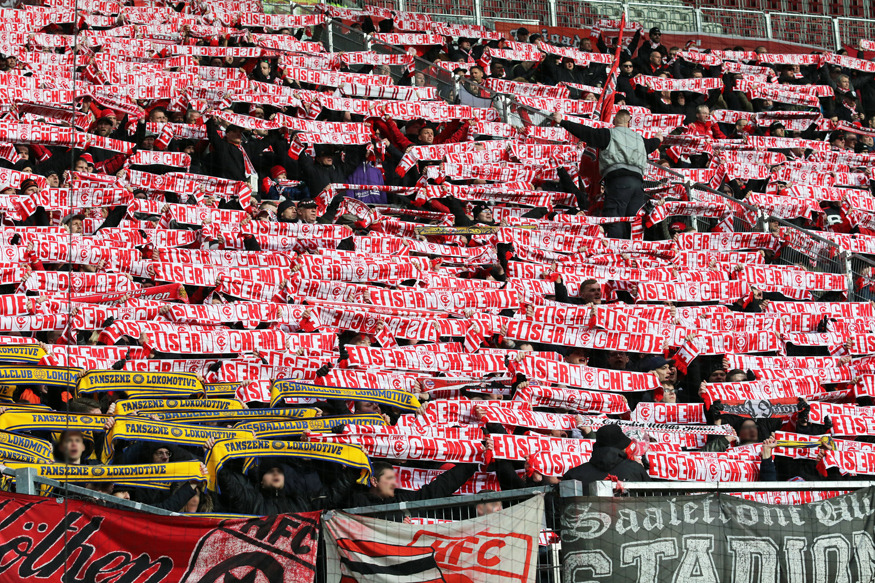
(554, 15)
(698, 13)
(24, 481)
(602, 489)
(478, 13)
(769, 34)
(845, 257)
(838, 34)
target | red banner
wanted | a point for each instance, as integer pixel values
(105, 544)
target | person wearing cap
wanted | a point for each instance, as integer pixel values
(308, 212)
(622, 163)
(53, 180)
(658, 365)
(328, 167)
(464, 52)
(102, 126)
(267, 211)
(610, 457)
(287, 211)
(28, 186)
(652, 44)
(145, 139)
(837, 140)
(110, 115)
(777, 130)
(270, 188)
(73, 223)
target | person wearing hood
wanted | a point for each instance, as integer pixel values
(328, 167)
(609, 458)
(269, 495)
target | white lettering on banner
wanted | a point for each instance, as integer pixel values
(581, 401)
(648, 412)
(552, 371)
(711, 538)
(531, 331)
(500, 546)
(456, 411)
(366, 357)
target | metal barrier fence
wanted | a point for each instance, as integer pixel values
(804, 27)
(808, 29)
(743, 23)
(573, 489)
(26, 481)
(457, 508)
(850, 30)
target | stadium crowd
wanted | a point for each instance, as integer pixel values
(444, 261)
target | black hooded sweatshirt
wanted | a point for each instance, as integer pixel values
(607, 461)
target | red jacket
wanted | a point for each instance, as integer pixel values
(453, 132)
(709, 129)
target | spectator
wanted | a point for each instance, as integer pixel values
(609, 458)
(622, 162)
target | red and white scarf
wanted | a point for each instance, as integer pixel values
(700, 85)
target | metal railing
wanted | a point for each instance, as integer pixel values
(804, 28)
(573, 488)
(457, 508)
(450, 507)
(27, 481)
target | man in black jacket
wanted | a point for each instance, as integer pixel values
(270, 495)
(653, 44)
(328, 168)
(232, 158)
(608, 459)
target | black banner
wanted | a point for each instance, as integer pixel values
(717, 538)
